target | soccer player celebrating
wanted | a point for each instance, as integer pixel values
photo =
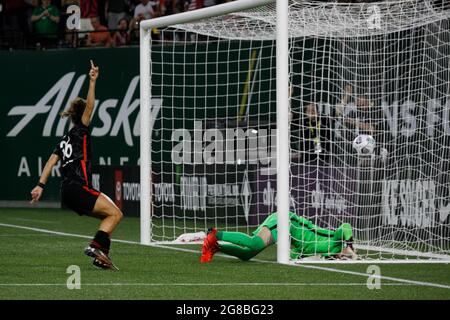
(307, 239)
(74, 150)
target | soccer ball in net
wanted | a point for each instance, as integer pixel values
(364, 144)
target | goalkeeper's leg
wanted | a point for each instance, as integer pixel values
(244, 246)
(242, 253)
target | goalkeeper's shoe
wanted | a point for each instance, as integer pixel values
(210, 246)
(100, 256)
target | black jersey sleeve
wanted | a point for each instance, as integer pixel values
(57, 151)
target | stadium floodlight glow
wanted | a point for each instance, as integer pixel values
(253, 105)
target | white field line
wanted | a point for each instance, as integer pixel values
(365, 275)
(237, 284)
(34, 220)
(411, 282)
(26, 235)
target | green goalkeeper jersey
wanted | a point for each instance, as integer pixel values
(308, 239)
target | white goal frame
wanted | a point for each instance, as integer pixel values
(282, 103)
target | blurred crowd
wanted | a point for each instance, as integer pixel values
(104, 23)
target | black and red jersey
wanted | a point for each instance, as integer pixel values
(75, 152)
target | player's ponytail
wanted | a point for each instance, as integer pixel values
(75, 111)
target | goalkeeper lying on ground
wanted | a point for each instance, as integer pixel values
(307, 239)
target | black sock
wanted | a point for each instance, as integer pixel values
(101, 241)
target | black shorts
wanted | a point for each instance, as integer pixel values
(79, 198)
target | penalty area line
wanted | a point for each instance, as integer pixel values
(354, 273)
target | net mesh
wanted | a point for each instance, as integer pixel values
(380, 70)
(324, 19)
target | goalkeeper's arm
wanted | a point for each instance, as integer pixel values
(311, 226)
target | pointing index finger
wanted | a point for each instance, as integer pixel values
(92, 64)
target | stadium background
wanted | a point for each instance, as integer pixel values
(36, 86)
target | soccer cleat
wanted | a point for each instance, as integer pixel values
(210, 246)
(97, 263)
(102, 258)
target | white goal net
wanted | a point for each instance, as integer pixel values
(355, 69)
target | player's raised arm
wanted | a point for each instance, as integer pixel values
(36, 193)
(90, 101)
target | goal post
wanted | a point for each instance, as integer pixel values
(252, 106)
(145, 137)
(283, 150)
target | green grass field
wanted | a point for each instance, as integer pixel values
(33, 265)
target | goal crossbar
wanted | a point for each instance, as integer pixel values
(204, 13)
